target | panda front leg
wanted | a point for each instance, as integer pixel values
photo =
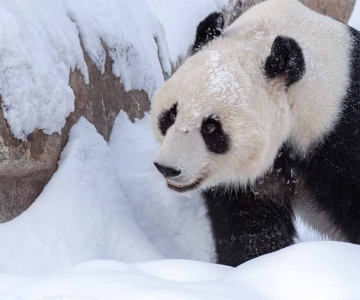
(246, 225)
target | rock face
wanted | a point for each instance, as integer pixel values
(340, 10)
(26, 167)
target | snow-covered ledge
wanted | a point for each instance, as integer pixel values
(60, 60)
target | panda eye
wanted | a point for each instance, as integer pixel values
(172, 117)
(209, 128)
(216, 140)
(167, 119)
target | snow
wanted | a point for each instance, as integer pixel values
(318, 270)
(322, 270)
(187, 14)
(175, 224)
(35, 60)
(81, 215)
(130, 30)
(307, 233)
(222, 79)
(355, 17)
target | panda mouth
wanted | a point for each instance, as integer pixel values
(183, 188)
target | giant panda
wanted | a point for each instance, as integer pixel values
(264, 121)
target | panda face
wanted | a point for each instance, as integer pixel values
(219, 119)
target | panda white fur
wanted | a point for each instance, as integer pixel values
(264, 119)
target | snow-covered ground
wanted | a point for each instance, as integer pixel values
(323, 270)
(106, 226)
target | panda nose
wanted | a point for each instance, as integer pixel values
(166, 171)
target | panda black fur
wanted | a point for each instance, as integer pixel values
(287, 110)
(331, 169)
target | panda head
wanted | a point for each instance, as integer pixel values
(222, 117)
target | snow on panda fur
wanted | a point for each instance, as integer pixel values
(264, 119)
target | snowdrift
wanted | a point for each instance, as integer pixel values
(323, 270)
(81, 215)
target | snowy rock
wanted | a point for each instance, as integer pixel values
(81, 215)
(26, 166)
(60, 60)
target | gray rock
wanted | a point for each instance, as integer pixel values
(26, 167)
(340, 10)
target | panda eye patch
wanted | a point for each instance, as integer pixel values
(167, 119)
(216, 140)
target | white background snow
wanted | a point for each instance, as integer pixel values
(106, 223)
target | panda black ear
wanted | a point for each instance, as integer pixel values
(286, 59)
(208, 29)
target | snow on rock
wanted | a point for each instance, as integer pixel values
(40, 45)
(134, 36)
(81, 215)
(321, 270)
(35, 61)
(176, 224)
(180, 20)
